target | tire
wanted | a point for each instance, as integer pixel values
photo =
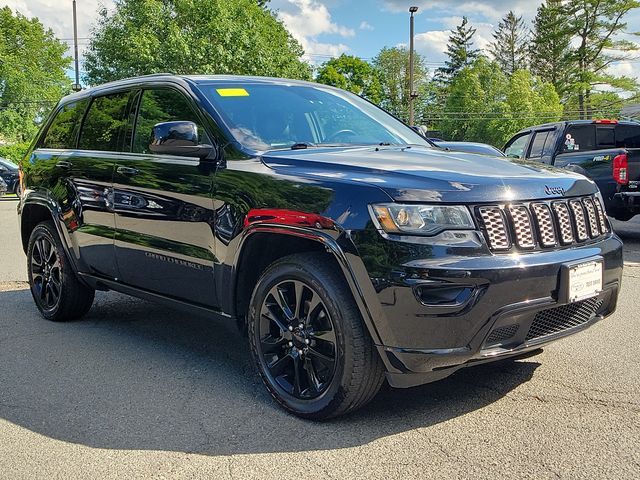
(56, 290)
(16, 188)
(322, 335)
(624, 217)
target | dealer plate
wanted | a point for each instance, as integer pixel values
(585, 281)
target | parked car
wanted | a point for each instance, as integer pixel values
(607, 151)
(9, 173)
(3, 187)
(347, 248)
(470, 147)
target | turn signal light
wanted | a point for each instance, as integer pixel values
(620, 169)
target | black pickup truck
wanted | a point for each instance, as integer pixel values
(606, 151)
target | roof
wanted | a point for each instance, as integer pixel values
(184, 79)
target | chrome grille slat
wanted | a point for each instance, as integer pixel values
(521, 221)
(564, 220)
(546, 229)
(578, 216)
(543, 224)
(602, 218)
(594, 228)
(496, 227)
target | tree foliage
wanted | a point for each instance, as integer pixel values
(550, 45)
(32, 74)
(460, 51)
(510, 44)
(191, 36)
(352, 74)
(596, 25)
(486, 105)
(392, 68)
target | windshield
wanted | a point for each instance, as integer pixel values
(276, 116)
(8, 164)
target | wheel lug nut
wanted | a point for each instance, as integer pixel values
(301, 325)
(307, 341)
(291, 344)
(290, 328)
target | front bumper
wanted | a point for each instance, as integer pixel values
(441, 312)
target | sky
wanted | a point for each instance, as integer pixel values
(327, 28)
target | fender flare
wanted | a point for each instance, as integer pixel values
(345, 261)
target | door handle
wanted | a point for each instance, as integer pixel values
(65, 165)
(129, 171)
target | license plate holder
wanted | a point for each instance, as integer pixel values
(580, 280)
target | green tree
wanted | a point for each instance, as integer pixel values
(486, 105)
(191, 36)
(550, 45)
(459, 49)
(353, 74)
(392, 68)
(597, 25)
(510, 45)
(32, 74)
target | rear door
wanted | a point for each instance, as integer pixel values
(90, 169)
(164, 207)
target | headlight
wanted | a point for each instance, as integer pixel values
(421, 219)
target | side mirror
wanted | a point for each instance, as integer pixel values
(178, 138)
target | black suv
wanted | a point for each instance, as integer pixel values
(349, 249)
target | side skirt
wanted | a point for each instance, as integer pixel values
(104, 284)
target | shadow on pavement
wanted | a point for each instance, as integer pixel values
(133, 375)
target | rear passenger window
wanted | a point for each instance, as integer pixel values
(627, 136)
(157, 106)
(105, 124)
(538, 143)
(580, 137)
(63, 130)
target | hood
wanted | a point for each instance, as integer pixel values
(423, 174)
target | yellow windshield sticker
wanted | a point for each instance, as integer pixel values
(232, 92)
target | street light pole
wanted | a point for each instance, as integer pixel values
(76, 86)
(412, 94)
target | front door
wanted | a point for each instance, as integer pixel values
(164, 209)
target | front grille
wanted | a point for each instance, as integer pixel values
(559, 319)
(542, 224)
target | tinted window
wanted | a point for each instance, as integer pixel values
(63, 129)
(539, 141)
(517, 146)
(605, 136)
(105, 123)
(628, 136)
(580, 137)
(157, 106)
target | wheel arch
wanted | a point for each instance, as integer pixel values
(287, 240)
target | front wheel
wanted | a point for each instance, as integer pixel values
(308, 339)
(55, 288)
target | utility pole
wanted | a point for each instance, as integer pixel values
(76, 86)
(412, 93)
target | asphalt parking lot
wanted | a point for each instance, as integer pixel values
(136, 390)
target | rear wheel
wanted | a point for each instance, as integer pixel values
(308, 340)
(55, 288)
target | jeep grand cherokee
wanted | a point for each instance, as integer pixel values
(347, 248)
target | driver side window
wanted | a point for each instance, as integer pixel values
(516, 148)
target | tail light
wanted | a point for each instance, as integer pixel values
(620, 169)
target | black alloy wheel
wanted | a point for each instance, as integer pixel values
(297, 339)
(308, 340)
(55, 287)
(45, 273)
